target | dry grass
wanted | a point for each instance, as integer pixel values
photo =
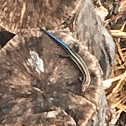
(116, 86)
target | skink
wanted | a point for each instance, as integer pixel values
(74, 57)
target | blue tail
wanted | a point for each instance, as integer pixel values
(65, 46)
